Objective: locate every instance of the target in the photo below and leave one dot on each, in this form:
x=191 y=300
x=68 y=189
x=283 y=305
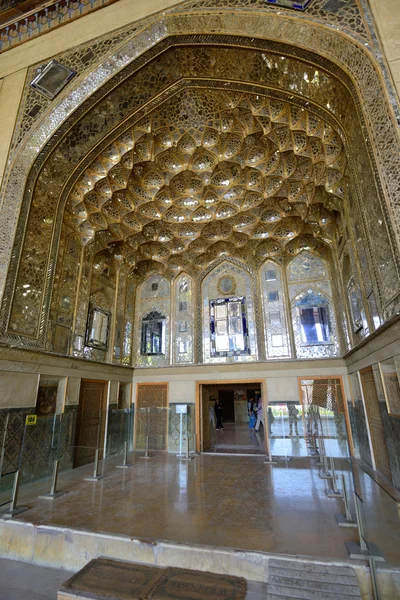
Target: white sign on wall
x=181 y=409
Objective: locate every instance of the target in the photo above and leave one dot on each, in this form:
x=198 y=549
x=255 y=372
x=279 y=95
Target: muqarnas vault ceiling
x=211 y=174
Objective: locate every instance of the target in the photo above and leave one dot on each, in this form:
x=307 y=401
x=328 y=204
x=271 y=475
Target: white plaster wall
x=18 y=391
x=182 y=391
x=282 y=389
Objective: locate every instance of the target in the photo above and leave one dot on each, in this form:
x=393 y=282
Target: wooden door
x=375 y=422
x=205 y=418
x=91 y=421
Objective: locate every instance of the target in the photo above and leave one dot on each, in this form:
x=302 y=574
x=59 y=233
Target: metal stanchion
x=345 y=520
x=364 y=549
x=374 y=578
x=53 y=489
x=324 y=472
x=146 y=454
x=13 y=509
x=125 y=459
x=95 y=476
x=187 y=456
x=335 y=493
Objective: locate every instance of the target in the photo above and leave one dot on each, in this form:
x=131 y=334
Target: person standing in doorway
x=218 y=414
x=212 y=411
x=260 y=414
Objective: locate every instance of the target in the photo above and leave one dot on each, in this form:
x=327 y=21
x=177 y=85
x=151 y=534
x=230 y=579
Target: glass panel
x=273 y=296
x=374 y=310
x=275 y=318
x=220 y=311
x=221 y=328
x=270 y=275
x=235 y=325
x=355 y=304
x=277 y=340
x=221 y=343
x=314 y=325
x=153 y=334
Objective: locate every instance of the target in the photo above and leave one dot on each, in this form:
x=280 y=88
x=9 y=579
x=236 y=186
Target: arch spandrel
x=305 y=40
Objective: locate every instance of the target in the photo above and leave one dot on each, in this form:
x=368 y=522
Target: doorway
x=239 y=403
x=91 y=421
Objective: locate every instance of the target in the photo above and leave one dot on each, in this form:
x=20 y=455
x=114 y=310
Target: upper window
x=313 y=313
x=228 y=327
x=314 y=325
x=153 y=334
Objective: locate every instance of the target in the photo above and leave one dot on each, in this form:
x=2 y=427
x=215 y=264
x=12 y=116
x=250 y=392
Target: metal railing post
x=125 y=459
x=95 y=476
x=53 y=489
x=374 y=578
x=336 y=493
x=146 y=453
x=13 y=509
x=345 y=520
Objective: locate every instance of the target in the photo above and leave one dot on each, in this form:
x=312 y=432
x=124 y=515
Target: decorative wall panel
x=211 y=290
x=312 y=83
x=310 y=288
x=153 y=296
x=151 y=416
x=182 y=326
x=273 y=291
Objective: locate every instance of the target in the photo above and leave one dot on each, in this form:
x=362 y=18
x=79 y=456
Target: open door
x=91 y=421
x=205 y=418
x=375 y=422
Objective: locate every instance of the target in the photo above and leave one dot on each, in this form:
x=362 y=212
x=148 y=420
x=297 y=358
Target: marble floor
x=237 y=438
x=237 y=502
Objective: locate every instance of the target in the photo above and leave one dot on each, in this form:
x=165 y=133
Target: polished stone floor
x=236 y=502
x=237 y=438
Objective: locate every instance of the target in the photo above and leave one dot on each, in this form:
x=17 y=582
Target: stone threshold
x=72 y=549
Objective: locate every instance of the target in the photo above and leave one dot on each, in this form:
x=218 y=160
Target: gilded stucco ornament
x=212 y=174
x=229 y=223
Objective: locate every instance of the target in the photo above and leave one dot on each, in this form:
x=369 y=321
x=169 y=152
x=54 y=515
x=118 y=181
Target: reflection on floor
x=238 y=438
x=236 y=502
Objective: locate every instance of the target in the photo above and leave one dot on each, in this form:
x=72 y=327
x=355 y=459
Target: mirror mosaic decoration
x=152 y=323
x=153 y=334
x=98 y=328
x=183 y=342
x=313 y=316
x=160 y=243
x=274 y=311
x=229 y=324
